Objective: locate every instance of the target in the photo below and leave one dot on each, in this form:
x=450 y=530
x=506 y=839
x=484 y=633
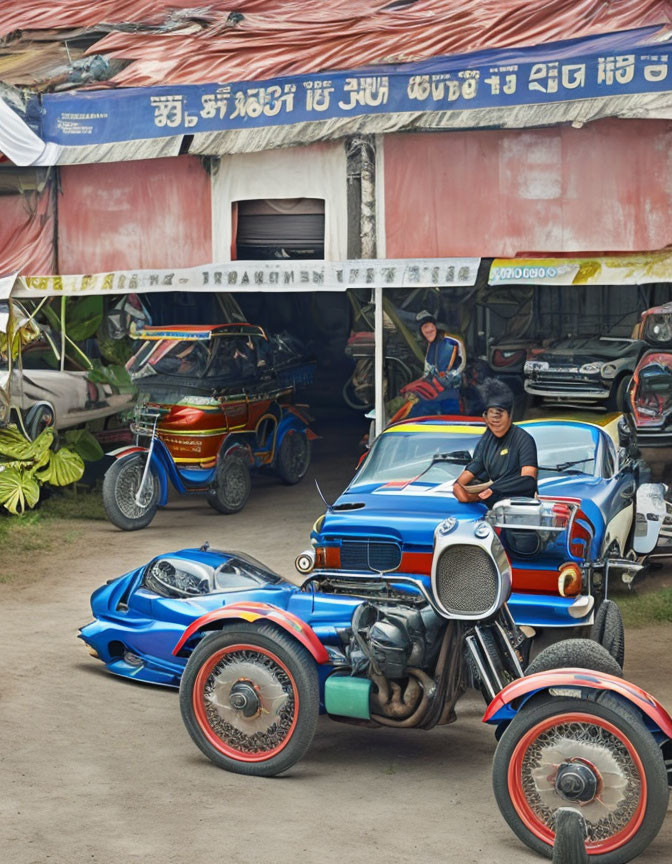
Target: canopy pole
x=367 y=235
x=62 y=334
x=378 y=360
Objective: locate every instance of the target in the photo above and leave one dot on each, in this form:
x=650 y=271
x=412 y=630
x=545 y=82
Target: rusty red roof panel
x=238 y=40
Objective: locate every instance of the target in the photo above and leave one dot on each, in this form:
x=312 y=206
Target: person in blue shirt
x=437 y=392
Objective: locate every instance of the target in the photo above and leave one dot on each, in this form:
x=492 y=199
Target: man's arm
x=525 y=483
x=465 y=492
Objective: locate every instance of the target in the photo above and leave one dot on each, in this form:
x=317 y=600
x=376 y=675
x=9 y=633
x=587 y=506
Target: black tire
x=351 y=398
x=608 y=630
x=120 y=484
x=575 y=653
x=616 y=400
x=39 y=420
x=610 y=732
x=267 y=658
x=399 y=374
x=232 y=485
x=293 y=457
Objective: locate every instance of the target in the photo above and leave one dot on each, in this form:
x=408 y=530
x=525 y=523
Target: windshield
x=167 y=357
x=441 y=457
x=402 y=456
x=564 y=449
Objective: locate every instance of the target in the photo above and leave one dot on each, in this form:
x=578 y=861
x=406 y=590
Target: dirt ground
x=99 y=769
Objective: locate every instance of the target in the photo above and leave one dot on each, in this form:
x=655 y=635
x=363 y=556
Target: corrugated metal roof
x=154 y=42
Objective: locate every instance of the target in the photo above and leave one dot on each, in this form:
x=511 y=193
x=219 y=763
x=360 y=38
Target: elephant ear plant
x=26 y=465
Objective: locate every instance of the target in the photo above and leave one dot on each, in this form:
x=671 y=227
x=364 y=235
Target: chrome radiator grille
x=370 y=555
x=467 y=580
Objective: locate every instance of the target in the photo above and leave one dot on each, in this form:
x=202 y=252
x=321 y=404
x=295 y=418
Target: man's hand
x=486 y=493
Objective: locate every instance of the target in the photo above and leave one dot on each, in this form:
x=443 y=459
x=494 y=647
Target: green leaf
x=83 y=442
x=64 y=468
x=116 y=376
x=83 y=316
x=17 y=447
x=42 y=443
x=117 y=351
x=18 y=489
x=13 y=444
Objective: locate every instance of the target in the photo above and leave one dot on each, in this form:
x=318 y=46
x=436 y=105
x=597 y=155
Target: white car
x=35 y=386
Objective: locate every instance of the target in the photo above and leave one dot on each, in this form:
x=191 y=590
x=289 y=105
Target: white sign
x=265 y=276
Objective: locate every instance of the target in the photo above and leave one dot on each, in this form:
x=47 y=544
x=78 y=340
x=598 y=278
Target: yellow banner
x=639 y=268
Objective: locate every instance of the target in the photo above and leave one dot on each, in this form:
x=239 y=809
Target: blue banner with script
x=624 y=63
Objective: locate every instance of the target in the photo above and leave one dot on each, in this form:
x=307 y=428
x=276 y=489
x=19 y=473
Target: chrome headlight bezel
x=482 y=536
x=592 y=368
x=609 y=370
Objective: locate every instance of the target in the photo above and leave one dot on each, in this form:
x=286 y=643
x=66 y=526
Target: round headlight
x=305 y=561
x=590 y=368
x=608 y=370
x=482 y=530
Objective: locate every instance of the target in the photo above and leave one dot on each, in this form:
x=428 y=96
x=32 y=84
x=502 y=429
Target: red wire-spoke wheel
x=250 y=699
x=595 y=756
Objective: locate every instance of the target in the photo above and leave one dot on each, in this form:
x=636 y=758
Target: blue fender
x=290 y=420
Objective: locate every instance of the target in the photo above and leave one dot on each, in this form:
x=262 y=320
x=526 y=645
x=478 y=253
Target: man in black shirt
x=505 y=459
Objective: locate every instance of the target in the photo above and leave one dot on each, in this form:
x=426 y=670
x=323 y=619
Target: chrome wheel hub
x=585 y=765
x=577 y=781
x=249 y=701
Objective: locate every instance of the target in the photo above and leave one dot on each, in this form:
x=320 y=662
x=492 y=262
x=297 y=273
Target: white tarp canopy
x=20 y=144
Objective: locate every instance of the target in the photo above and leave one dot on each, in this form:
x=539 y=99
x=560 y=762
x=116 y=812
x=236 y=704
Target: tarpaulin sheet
x=606 y=187
x=155 y=213
x=606 y=270
x=616 y=65
x=261 y=276
x=27 y=232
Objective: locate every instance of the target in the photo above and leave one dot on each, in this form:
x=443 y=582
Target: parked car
x=584 y=371
x=564 y=546
x=259 y=658
x=36 y=388
x=650 y=393
x=215 y=401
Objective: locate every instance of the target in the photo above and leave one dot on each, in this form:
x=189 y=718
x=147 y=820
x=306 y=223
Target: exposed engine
x=403 y=650
x=386 y=640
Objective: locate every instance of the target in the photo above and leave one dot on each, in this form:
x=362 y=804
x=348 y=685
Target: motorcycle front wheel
x=594 y=755
x=250 y=698
x=120 y=487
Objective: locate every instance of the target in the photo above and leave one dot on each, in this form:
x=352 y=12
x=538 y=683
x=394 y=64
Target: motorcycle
x=380 y=649
x=403 y=359
x=216 y=404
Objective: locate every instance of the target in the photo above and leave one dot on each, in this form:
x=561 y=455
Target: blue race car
x=259 y=658
x=594 y=516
